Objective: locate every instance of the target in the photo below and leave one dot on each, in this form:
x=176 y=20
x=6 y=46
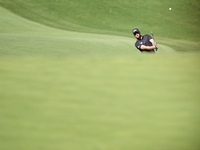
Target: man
x=144 y=43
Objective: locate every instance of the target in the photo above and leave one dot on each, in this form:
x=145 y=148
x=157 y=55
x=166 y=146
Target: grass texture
x=70 y=77
x=100 y=102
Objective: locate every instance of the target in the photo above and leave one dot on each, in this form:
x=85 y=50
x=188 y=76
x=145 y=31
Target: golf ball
x=170 y=8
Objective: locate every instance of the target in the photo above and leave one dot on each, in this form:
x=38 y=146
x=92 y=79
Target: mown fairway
x=86 y=87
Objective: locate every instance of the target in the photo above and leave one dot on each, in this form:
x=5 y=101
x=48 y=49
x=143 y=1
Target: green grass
x=118 y=18
x=100 y=102
x=86 y=87
x=114 y=16
x=20 y=37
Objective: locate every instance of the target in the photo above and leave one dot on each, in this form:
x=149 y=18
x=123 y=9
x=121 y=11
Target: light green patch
x=141 y=102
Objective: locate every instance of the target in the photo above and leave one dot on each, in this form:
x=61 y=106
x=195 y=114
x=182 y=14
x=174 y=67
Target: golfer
x=144 y=43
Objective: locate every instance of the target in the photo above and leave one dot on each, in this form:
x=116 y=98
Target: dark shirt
x=144 y=41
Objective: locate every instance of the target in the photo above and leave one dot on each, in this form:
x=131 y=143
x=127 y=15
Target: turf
x=118 y=18
x=20 y=37
x=114 y=16
x=68 y=82
x=100 y=102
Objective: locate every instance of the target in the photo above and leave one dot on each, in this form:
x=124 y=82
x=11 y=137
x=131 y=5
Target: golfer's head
x=136 y=33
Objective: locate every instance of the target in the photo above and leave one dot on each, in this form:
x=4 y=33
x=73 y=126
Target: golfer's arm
x=153 y=42
x=147 y=47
